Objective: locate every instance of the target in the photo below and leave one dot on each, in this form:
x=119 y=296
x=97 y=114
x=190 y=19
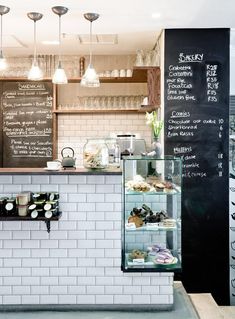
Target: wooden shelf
x=140 y=75
x=108 y=111
x=20 y=79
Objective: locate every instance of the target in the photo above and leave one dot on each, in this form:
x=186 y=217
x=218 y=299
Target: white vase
x=157 y=147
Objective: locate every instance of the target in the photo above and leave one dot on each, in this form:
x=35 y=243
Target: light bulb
x=59 y=76
x=35 y=73
x=90 y=78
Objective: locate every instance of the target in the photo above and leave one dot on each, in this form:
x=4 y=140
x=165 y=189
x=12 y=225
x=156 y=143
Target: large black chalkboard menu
x=26 y=112
x=196 y=87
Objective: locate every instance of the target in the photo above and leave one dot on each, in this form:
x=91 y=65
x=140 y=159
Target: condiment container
x=2 y=204
x=34 y=214
x=10 y=206
x=39 y=204
x=53 y=196
x=50 y=205
x=22 y=210
x=22 y=199
x=32 y=207
x=48 y=214
x=40 y=196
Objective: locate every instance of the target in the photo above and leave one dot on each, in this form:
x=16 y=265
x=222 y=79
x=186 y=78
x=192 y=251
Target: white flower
x=152 y=120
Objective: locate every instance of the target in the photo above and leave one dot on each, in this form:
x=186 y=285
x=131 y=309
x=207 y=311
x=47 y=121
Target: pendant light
x=3 y=63
x=90 y=78
x=35 y=73
x=59 y=76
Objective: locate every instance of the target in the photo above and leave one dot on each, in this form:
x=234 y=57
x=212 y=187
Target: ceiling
x=130 y=21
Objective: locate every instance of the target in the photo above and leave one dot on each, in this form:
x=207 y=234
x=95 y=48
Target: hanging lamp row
x=89 y=79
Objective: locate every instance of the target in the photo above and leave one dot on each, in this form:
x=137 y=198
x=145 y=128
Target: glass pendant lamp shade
x=90 y=78
x=59 y=76
x=3 y=62
x=35 y=73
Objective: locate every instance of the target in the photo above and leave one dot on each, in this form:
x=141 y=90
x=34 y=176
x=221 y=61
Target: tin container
x=3 y=201
x=40 y=196
x=49 y=205
x=39 y=204
x=52 y=196
x=10 y=206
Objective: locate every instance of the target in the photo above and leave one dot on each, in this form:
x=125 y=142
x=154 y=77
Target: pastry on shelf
x=138 y=185
x=137 y=254
x=169 y=188
x=159 y=187
x=136 y=220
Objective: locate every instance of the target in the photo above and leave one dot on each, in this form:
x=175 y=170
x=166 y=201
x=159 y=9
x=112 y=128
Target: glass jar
x=95 y=154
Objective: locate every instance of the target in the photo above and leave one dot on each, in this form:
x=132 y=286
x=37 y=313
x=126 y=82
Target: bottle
x=81 y=66
x=117 y=155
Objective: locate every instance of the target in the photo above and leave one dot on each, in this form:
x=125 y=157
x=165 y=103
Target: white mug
x=122 y=73
x=129 y=73
x=107 y=74
x=53 y=165
x=115 y=73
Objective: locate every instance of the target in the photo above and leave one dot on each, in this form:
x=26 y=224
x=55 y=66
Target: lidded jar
x=95 y=154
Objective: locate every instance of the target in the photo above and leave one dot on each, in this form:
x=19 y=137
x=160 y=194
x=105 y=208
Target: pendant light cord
x=59 y=39
x=1 y=35
x=90 y=42
x=35 y=51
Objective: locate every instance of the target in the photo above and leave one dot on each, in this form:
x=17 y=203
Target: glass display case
x=151 y=223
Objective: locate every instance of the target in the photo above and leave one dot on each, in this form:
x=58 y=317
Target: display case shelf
x=150 y=266
x=152 y=229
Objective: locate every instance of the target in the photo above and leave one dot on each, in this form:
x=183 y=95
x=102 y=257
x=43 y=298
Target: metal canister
x=49 y=205
x=2 y=205
x=40 y=196
x=10 y=206
x=52 y=196
x=39 y=204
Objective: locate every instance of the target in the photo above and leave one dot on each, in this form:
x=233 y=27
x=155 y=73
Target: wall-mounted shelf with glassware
x=123 y=103
x=107 y=111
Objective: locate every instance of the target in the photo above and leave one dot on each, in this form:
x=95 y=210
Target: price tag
x=152 y=225
x=139 y=261
x=130 y=226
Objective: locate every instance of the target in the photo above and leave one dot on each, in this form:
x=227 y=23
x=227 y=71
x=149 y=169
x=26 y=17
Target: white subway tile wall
x=74 y=130
x=79 y=261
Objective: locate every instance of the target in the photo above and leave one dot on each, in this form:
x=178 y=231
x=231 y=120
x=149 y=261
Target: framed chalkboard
x=26 y=115
x=196 y=96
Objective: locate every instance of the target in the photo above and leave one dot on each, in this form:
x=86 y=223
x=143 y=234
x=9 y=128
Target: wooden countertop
x=42 y=171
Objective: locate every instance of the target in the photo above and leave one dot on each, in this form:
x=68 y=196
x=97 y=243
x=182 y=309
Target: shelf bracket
x=48 y=224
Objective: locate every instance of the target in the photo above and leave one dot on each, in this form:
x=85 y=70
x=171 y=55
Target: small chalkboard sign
x=196 y=99
x=26 y=124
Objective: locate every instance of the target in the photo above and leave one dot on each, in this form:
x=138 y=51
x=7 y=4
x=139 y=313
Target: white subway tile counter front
x=79 y=261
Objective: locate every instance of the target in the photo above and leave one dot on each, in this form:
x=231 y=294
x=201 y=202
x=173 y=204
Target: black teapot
x=68 y=161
